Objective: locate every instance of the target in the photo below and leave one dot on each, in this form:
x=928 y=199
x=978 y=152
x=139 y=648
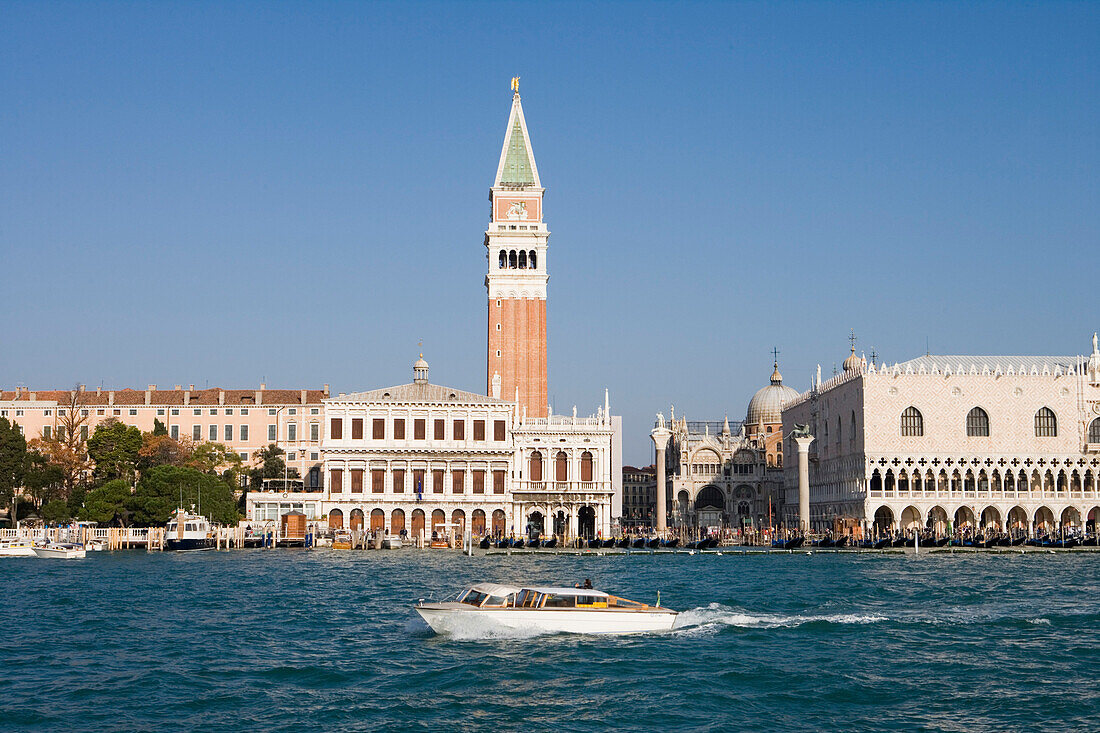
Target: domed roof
x=420 y=363
x=853 y=363
x=766 y=406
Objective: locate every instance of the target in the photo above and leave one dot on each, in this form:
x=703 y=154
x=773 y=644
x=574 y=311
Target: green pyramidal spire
x=517 y=162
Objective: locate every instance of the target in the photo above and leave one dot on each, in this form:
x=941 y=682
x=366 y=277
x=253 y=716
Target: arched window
x=536 y=466
x=503 y=259
x=977 y=423
x=561 y=467
x=912 y=423
x=852 y=433
x=531 y=260
x=1094 y=431
x=512 y=259
x=1046 y=424
x=523 y=259
x=586 y=466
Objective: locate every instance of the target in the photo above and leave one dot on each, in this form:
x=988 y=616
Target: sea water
x=327 y=640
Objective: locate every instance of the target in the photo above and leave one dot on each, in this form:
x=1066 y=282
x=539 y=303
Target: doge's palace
x=996 y=442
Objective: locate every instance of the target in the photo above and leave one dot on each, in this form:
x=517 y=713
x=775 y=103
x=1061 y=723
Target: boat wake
x=715 y=617
x=474 y=628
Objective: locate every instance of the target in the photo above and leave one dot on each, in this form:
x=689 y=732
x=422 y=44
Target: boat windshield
x=616 y=602
x=500 y=601
x=528 y=599
x=472 y=597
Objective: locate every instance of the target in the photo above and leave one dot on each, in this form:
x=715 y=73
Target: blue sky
x=296 y=193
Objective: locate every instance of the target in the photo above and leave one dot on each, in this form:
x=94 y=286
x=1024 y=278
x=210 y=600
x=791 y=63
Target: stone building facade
x=1002 y=442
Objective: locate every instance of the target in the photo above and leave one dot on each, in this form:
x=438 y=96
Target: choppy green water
x=322 y=640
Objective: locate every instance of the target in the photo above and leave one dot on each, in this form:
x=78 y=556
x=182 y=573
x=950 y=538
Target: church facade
x=423 y=458
x=992 y=442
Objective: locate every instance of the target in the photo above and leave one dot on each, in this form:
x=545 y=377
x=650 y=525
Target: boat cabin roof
x=568 y=591
x=494 y=589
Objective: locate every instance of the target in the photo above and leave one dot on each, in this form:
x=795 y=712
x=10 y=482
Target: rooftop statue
x=801 y=430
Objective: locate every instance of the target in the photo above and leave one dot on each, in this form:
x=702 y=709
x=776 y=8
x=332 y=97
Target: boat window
x=556 y=601
x=500 y=601
x=473 y=597
x=527 y=599
x=623 y=603
x=591 y=601
x=189 y=527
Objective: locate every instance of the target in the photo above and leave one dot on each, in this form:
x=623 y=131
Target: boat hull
x=189 y=545
x=18 y=550
x=60 y=553
x=454 y=619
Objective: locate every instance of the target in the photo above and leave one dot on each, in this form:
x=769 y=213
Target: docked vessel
x=60 y=550
x=544 y=609
x=341 y=540
x=17 y=548
x=187 y=531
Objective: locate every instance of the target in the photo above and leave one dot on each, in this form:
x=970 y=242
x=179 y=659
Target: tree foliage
x=56 y=512
x=161 y=488
x=160 y=450
x=13 y=460
x=159 y=428
x=107 y=504
x=43 y=481
x=114 y=447
x=271 y=465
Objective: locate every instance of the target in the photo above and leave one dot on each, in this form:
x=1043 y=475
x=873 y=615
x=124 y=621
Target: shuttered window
x=336 y=480
x=378 y=429
x=377 y=480
x=439 y=430
x=418 y=480
x=357 y=481
x=336 y=428
x=458 y=481
x=498 y=430
x=357 y=428
x=479 y=430
x=498 y=482
x=459 y=430
x=418 y=428
x=399 y=429
x=437 y=481
x=479 y=482
x=398 y=481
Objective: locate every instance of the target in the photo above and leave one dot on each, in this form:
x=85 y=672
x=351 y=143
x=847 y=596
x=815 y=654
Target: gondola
x=550 y=543
x=609 y=543
x=693 y=545
x=1017 y=541
x=595 y=543
x=791 y=544
x=533 y=542
x=654 y=543
x=884 y=542
x=1004 y=541
x=485 y=543
x=900 y=542
x=824 y=543
x=866 y=544
x=991 y=542
x=623 y=543
x=671 y=544
x=841 y=542
x=638 y=544
x=709 y=544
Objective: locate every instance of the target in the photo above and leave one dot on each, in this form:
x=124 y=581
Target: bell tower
x=516 y=243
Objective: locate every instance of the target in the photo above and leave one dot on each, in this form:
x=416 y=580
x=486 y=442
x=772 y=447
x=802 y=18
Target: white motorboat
x=60 y=550
x=17 y=548
x=544 y=609
x=391 y=542
x=187 y=531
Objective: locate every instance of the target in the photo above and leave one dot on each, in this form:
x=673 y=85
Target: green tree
x=109 y=503
x=271 y=465
x=56 y=512
x=158 y=427
x=160 y=490
x=114 y=447
x=43 y=480
x=13 y=462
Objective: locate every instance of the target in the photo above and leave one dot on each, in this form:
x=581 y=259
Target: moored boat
x=187 y=532
x=60 y=550
x=547 y=609
x=341 y=540
x=17 y=548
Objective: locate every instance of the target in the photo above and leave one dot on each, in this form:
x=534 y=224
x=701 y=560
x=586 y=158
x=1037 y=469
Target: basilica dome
x=853 y=363
x=766 y=406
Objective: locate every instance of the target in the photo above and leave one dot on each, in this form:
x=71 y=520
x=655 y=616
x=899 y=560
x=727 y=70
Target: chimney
x=34 y=396
x=18 y=391
x=191 y=387
x=221 y=396
x=325 y=391
x=259 y=395
x=187 y=396
x=99 y=390
x=262 y=386
x=82 y=388
x=149 y=394
x=111 y=397
x=303 y=396
x=179 y=387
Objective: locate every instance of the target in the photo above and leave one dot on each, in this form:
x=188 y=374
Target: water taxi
x=60 y=550
x=17 y=548
x=187 y=531
x=341 y=540
x=544 y=609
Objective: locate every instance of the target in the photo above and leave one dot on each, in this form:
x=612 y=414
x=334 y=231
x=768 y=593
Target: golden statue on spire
x=515 y=84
